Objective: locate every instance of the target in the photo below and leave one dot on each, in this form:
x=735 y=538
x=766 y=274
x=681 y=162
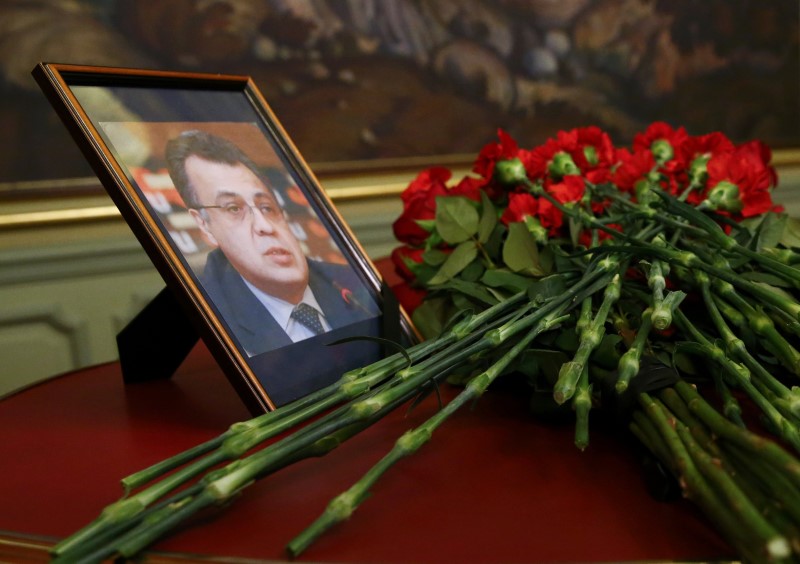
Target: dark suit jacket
x=252 y=324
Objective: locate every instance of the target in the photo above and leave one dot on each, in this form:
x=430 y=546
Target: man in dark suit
x=258 y=277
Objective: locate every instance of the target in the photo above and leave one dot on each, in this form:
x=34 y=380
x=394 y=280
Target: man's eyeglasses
x=237 y=212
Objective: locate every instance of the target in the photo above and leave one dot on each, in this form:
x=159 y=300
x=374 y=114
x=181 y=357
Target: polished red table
x=493 y=485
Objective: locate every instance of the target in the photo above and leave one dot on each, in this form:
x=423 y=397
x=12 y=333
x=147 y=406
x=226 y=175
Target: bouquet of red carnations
x=673 y=269
x=659 y=281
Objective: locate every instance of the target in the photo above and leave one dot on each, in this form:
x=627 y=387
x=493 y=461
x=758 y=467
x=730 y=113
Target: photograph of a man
x=265 y=288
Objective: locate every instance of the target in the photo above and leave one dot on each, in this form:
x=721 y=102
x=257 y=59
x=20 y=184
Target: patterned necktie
x=309 y=317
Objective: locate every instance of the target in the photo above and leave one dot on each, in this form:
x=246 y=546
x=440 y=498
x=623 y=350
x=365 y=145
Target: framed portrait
x=249 y=245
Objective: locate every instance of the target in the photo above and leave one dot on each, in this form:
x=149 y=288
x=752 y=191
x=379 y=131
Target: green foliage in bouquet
x=657 y=280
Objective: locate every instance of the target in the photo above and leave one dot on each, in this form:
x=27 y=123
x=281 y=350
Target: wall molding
x=53 y=262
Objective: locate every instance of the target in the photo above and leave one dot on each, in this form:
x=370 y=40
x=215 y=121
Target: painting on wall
x=384 y=81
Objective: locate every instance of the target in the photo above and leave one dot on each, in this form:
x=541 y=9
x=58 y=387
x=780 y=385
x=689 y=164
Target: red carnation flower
x=705 y=146
x=539 y=161
x=570 y=189
x=469 y=187
x=419 y=203
x=505 y=149
x=747 y=168
x=520 y=205
x=593 y=149
x=404 y=258
x=660 y=131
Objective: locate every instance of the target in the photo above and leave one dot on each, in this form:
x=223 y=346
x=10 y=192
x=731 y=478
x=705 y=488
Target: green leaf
x=607 y=354
x=575 y=228
x=473 y=272
x=434 y=257
x=488 y=218
x=520 y=252
x=771 y=231
x=683 y=362
x=423 y=272
x=473 y=289
x=546 y=259
x=766 y=278
x=431 y=316
x=786 y=295
x=457 y=261
x=567 y=340
x=494 y=245
x=456 y=218
x=426 y=224
x=542 y=362
x=791 y=233
x=500 y=278
x=548 y=287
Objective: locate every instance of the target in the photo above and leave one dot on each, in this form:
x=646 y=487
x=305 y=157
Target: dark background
x=386 y=79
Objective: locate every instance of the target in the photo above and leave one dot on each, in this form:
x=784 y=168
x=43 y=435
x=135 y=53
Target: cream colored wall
x=72 y=274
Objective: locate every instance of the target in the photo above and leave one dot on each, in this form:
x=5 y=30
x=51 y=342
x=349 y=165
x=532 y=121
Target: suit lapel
x=255 y=324
x=329 y=295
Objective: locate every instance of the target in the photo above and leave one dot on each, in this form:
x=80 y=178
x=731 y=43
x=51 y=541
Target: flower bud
x=661 y=317
x=644 y=192
x=562 y=165
x=698 y=169
x=536 y=229
x=725 y=196
x=510 y=172
x=590 y=154
x=662 y=150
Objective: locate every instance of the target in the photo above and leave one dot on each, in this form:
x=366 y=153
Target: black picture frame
x=122 y=120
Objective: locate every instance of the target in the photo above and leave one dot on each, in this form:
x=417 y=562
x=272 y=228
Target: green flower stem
x=654 y=214
x=582 y=404
x=715 y=233
x=662 y=312
x=768 y=478
x=690 y=260
x=730 y=405
x=694 y=485
x=775 y=544
x=144 y=534
x=788 y=273
x=570 y=372
x=232 y=444
x=628 y=365
x=734 y=316
x=670 y=398
x=343 y=506
x=242 y=473
x=784 y=321
x=103 y=538
x=582 y=400
x=750 y=442
x=247 y=436
x=349 y=384
x=784 y=256
x=578 y=214
x=739 y=373
x=656 y=275
x=159 y=469
x=762 y=326
x=737 y=349
x=585 y=316
x=646 y=432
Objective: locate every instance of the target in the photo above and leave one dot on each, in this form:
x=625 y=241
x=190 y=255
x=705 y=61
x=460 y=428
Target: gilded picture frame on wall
x=249 y=245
